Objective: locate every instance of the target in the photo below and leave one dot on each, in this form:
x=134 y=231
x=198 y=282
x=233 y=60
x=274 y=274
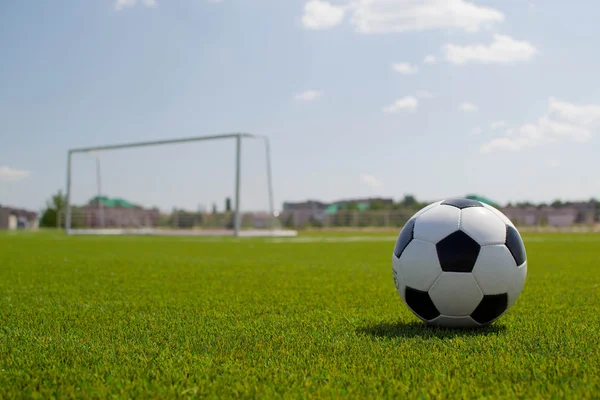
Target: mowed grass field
x=151 y=317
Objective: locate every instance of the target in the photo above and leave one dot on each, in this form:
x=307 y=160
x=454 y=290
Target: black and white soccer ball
x=459 y=263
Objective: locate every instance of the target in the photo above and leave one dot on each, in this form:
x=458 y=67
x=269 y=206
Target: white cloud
x=562 y=121
x=370 y=180
x=430 y=59
x=321 y=15
x=309 y=95
x=588 y=114
x=500 y=144
x=554 y=163
x=121 y=4
x=424 y=94
x=503 y=50
x=560 y=129
x=409 y=103
x=8 y=174
x=405 y=68
x=384 y=16
x=475 y=131
x=498 y=125
x=468 y=107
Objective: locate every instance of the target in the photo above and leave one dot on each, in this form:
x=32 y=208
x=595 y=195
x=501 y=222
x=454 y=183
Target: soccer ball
x=459 y=263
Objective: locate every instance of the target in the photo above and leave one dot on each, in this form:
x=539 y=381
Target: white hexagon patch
x=517 y=284
x=483 y=226
x=456 y=294
x=500 y=214
x=422 y=210
x=494 y=269
x=419 y=265
x=436 y=223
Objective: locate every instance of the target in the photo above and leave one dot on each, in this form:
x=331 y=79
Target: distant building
x=547 y=215
x=363 y=204
x=560 y=216
x=586 y=211
x=522 y=215
x=314 y=205
x=14 y=218
x=104 y=212
x=305 y=205
x=309 y=211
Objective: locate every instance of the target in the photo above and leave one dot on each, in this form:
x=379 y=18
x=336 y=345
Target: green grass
x=148 y=317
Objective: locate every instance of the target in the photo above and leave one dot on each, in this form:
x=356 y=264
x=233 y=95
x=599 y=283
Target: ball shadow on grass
x=419 y=329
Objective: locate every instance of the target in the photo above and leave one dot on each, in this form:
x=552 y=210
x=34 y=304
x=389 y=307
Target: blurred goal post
x=237 y=211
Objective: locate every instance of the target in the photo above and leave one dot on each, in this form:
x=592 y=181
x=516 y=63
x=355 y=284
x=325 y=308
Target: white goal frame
x=237 y=209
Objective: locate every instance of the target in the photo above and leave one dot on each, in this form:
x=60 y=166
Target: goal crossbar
x=238 y=138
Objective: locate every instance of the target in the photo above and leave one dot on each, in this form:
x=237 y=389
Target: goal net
x=211 y=185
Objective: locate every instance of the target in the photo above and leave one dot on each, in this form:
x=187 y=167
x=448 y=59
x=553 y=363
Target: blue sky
x=359 y=98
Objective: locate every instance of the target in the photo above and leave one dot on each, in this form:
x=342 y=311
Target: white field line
x=333 y=239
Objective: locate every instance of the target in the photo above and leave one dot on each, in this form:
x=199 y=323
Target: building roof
x=483 y=200
x=113 y=203
x=334 y=208
x=18 y=212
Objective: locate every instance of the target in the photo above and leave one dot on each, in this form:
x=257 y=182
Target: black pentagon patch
x=404 y=238
x=490 y=308
x=515 y=245
x=462 y=203
x=421 y=303
x=457 y=252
